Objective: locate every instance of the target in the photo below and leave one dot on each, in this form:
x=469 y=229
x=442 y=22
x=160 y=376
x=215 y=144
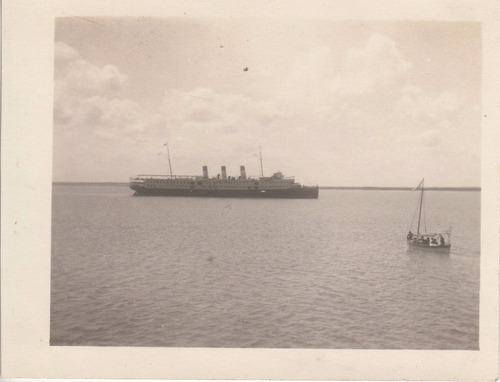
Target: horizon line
x=366 y=188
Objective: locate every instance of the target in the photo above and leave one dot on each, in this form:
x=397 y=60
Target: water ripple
x=326 y=273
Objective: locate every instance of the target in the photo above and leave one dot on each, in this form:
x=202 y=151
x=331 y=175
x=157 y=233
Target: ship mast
x=260 y=157
x=420 y=209
x=169 y=163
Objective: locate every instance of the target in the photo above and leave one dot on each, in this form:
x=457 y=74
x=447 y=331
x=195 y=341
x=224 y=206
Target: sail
x=425 y=240
x=419 y=185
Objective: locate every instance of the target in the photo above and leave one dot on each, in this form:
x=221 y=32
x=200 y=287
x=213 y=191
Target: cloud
x=119 y=115
x=365 y=107
x=205 y=112
x=418 y=111
x=324 y=108
x=332 y=104
x=377 y=64
x=323 y=82
x=64 y=53
x=76 y=75
x=320 y=72
x=89 y=97
x=90 y=78
x=94 y=120
x=94 y=123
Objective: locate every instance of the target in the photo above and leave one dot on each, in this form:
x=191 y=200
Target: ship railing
x=306 y=185
x=194 y=177
x=270 y=177
x=145 y=177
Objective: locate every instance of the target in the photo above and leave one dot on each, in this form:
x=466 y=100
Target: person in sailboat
x=409 y=236
x=420 y=240
x=441 y=240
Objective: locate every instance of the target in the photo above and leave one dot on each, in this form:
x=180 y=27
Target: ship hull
x=293 y=193
x=427 y=247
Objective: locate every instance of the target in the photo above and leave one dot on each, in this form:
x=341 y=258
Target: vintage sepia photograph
x=248 y=183
x=250 y=191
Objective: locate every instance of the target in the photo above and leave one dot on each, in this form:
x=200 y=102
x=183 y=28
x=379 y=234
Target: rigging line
x=169 y=163
x=413 y=217
x=425 y=220
x=420 y=205
x=415 y=211
x=261 y=167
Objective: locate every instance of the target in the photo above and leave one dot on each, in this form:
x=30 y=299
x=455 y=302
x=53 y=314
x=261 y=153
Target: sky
x=331 y=103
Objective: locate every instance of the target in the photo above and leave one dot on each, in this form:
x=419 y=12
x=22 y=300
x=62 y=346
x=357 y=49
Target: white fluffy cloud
x=76 y=75
x=319 y=79
x=217 y=114
x=64 y=53
x=88 y=97
x=97 y=128
x=368 y=116
x=92 y=118
x=326 y=109
x=377 y=64
x=220 y=128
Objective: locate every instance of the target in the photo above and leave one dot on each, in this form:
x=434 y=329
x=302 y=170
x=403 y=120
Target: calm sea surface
x=205 y=272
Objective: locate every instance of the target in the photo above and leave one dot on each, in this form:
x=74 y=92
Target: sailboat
x=424 y=240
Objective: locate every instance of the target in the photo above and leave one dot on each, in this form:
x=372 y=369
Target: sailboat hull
x=428 y=247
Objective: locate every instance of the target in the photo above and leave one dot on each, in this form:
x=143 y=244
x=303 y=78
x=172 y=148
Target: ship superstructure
x=222 y=185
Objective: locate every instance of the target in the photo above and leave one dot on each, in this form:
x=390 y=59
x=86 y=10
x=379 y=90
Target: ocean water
x=206 y=272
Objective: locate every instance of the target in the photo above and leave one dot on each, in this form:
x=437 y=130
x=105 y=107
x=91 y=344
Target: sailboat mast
x=169 y=163
x=420 y=209
x=260 y=157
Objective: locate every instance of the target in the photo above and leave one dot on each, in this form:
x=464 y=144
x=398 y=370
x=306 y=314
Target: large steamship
x=275 y=186
x=222 y=185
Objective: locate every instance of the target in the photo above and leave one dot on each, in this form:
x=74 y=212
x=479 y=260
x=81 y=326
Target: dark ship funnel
x=205 y=172
x=243 y=173
x=223 y=172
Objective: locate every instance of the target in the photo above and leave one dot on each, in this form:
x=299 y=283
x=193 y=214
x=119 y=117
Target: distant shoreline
x=402 y=188
x=320 y=187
